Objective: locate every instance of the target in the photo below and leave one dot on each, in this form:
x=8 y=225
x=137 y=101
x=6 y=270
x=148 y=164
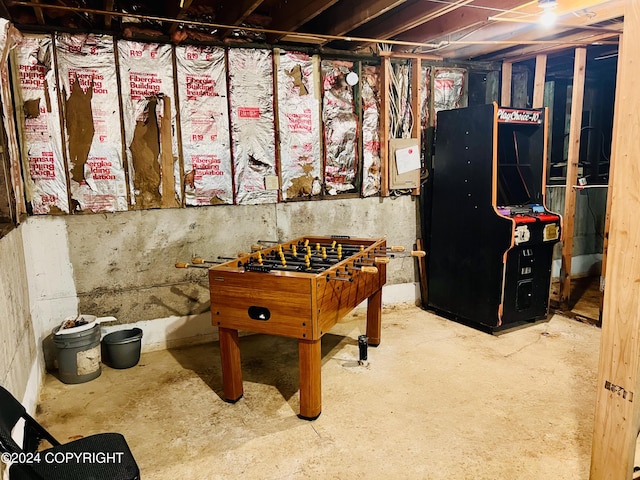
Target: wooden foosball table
x=297 y=289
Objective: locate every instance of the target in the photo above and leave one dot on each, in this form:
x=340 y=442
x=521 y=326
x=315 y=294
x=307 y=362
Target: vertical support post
x=617 y=415
x=231 y=364
x=384 y=125
x=310 y=363
x=575 y=125
x=505 y=94
x=538 y=82
x=416 y=91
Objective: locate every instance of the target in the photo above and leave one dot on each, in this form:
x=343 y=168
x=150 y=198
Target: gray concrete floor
x=438 y=400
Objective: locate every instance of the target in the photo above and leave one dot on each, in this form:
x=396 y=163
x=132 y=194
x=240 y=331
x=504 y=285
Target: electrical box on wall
x=404 y=163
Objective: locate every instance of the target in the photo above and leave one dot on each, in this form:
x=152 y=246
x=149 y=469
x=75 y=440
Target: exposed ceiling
x=452 y=29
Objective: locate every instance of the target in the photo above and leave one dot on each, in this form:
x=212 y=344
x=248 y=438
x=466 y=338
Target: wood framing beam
x=575 y=125
x=350 y=14
x=538 y=81
x=39 y=14
x=416 y=95
x=291 y=15
x=234 y=13
x=404 y=18
x=385 y=85
x=450 y=22
x=505 y=93
x=617 y=415
x=108 y=6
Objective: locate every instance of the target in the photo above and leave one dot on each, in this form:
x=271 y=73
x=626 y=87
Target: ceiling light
x=548 y=16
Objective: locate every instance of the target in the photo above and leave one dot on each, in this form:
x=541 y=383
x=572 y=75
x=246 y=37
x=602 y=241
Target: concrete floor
x=438 y=400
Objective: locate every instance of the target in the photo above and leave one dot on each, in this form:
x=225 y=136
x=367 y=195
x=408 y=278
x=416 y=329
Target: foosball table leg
x=374 y=316
x=310 y=363
x=231 y=365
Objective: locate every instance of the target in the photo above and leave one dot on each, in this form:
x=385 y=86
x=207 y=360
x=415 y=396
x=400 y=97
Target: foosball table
x=297 y=289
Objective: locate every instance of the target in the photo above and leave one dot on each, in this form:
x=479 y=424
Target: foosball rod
x=189 y=265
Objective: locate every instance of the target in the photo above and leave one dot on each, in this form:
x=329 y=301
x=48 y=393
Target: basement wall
x=20 y=372
x=588 y=234
x=123 y=264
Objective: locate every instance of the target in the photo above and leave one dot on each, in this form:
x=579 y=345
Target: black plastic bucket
x=122 y=348
x=78 y=355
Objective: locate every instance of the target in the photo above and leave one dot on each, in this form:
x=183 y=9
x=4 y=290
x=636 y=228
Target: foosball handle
x=418 y=253
x=197 y=260
x=381 y=260
x=397 y=248
x=182 y=265
x=369 y=269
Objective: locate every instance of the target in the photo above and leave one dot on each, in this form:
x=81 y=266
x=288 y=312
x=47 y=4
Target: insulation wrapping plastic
x=146 y=73
x=299 y=125
x=370 y=87
x=46 y=182
x=448 y=88
x=425 y=97
x=252 y=124
x=340 y=128
x=9 y=38
x=204 y=121
x=92 y=126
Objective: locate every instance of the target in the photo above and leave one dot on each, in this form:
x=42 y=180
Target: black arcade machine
x=491 y=237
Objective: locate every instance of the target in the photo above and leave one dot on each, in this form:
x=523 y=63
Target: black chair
x=101 y=456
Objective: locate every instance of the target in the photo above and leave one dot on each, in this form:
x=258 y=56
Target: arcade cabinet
x=491 y=237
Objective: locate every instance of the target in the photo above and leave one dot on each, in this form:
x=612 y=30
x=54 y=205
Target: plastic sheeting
x=146 y=72
x=448 y=88
x=204 y=122
x=92 y=126
x=340 y=128
x=299 y=125
x=252 y=121
x=46 y=182
x=370 y=88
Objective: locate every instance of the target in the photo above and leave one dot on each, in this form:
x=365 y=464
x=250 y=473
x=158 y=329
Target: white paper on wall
x=369 y=89
x=298 y=124
x=46 y=181
x=146 y=74
x=204 y=122
x=340 y=128
x=92 y=123
x=252 y=124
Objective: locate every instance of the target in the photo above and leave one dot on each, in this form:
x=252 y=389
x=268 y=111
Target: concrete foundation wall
x=123 y=264
x=588 y=233
x=20 y=372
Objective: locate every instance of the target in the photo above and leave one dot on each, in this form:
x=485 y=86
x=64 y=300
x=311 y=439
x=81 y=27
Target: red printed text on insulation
x=144 y=85
x=88 y=78
x=300 y=122
x=101 y=168
x=249 y=112
x=200 y=86
x=42 y=167
x=205 y=166
x=32 y=77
